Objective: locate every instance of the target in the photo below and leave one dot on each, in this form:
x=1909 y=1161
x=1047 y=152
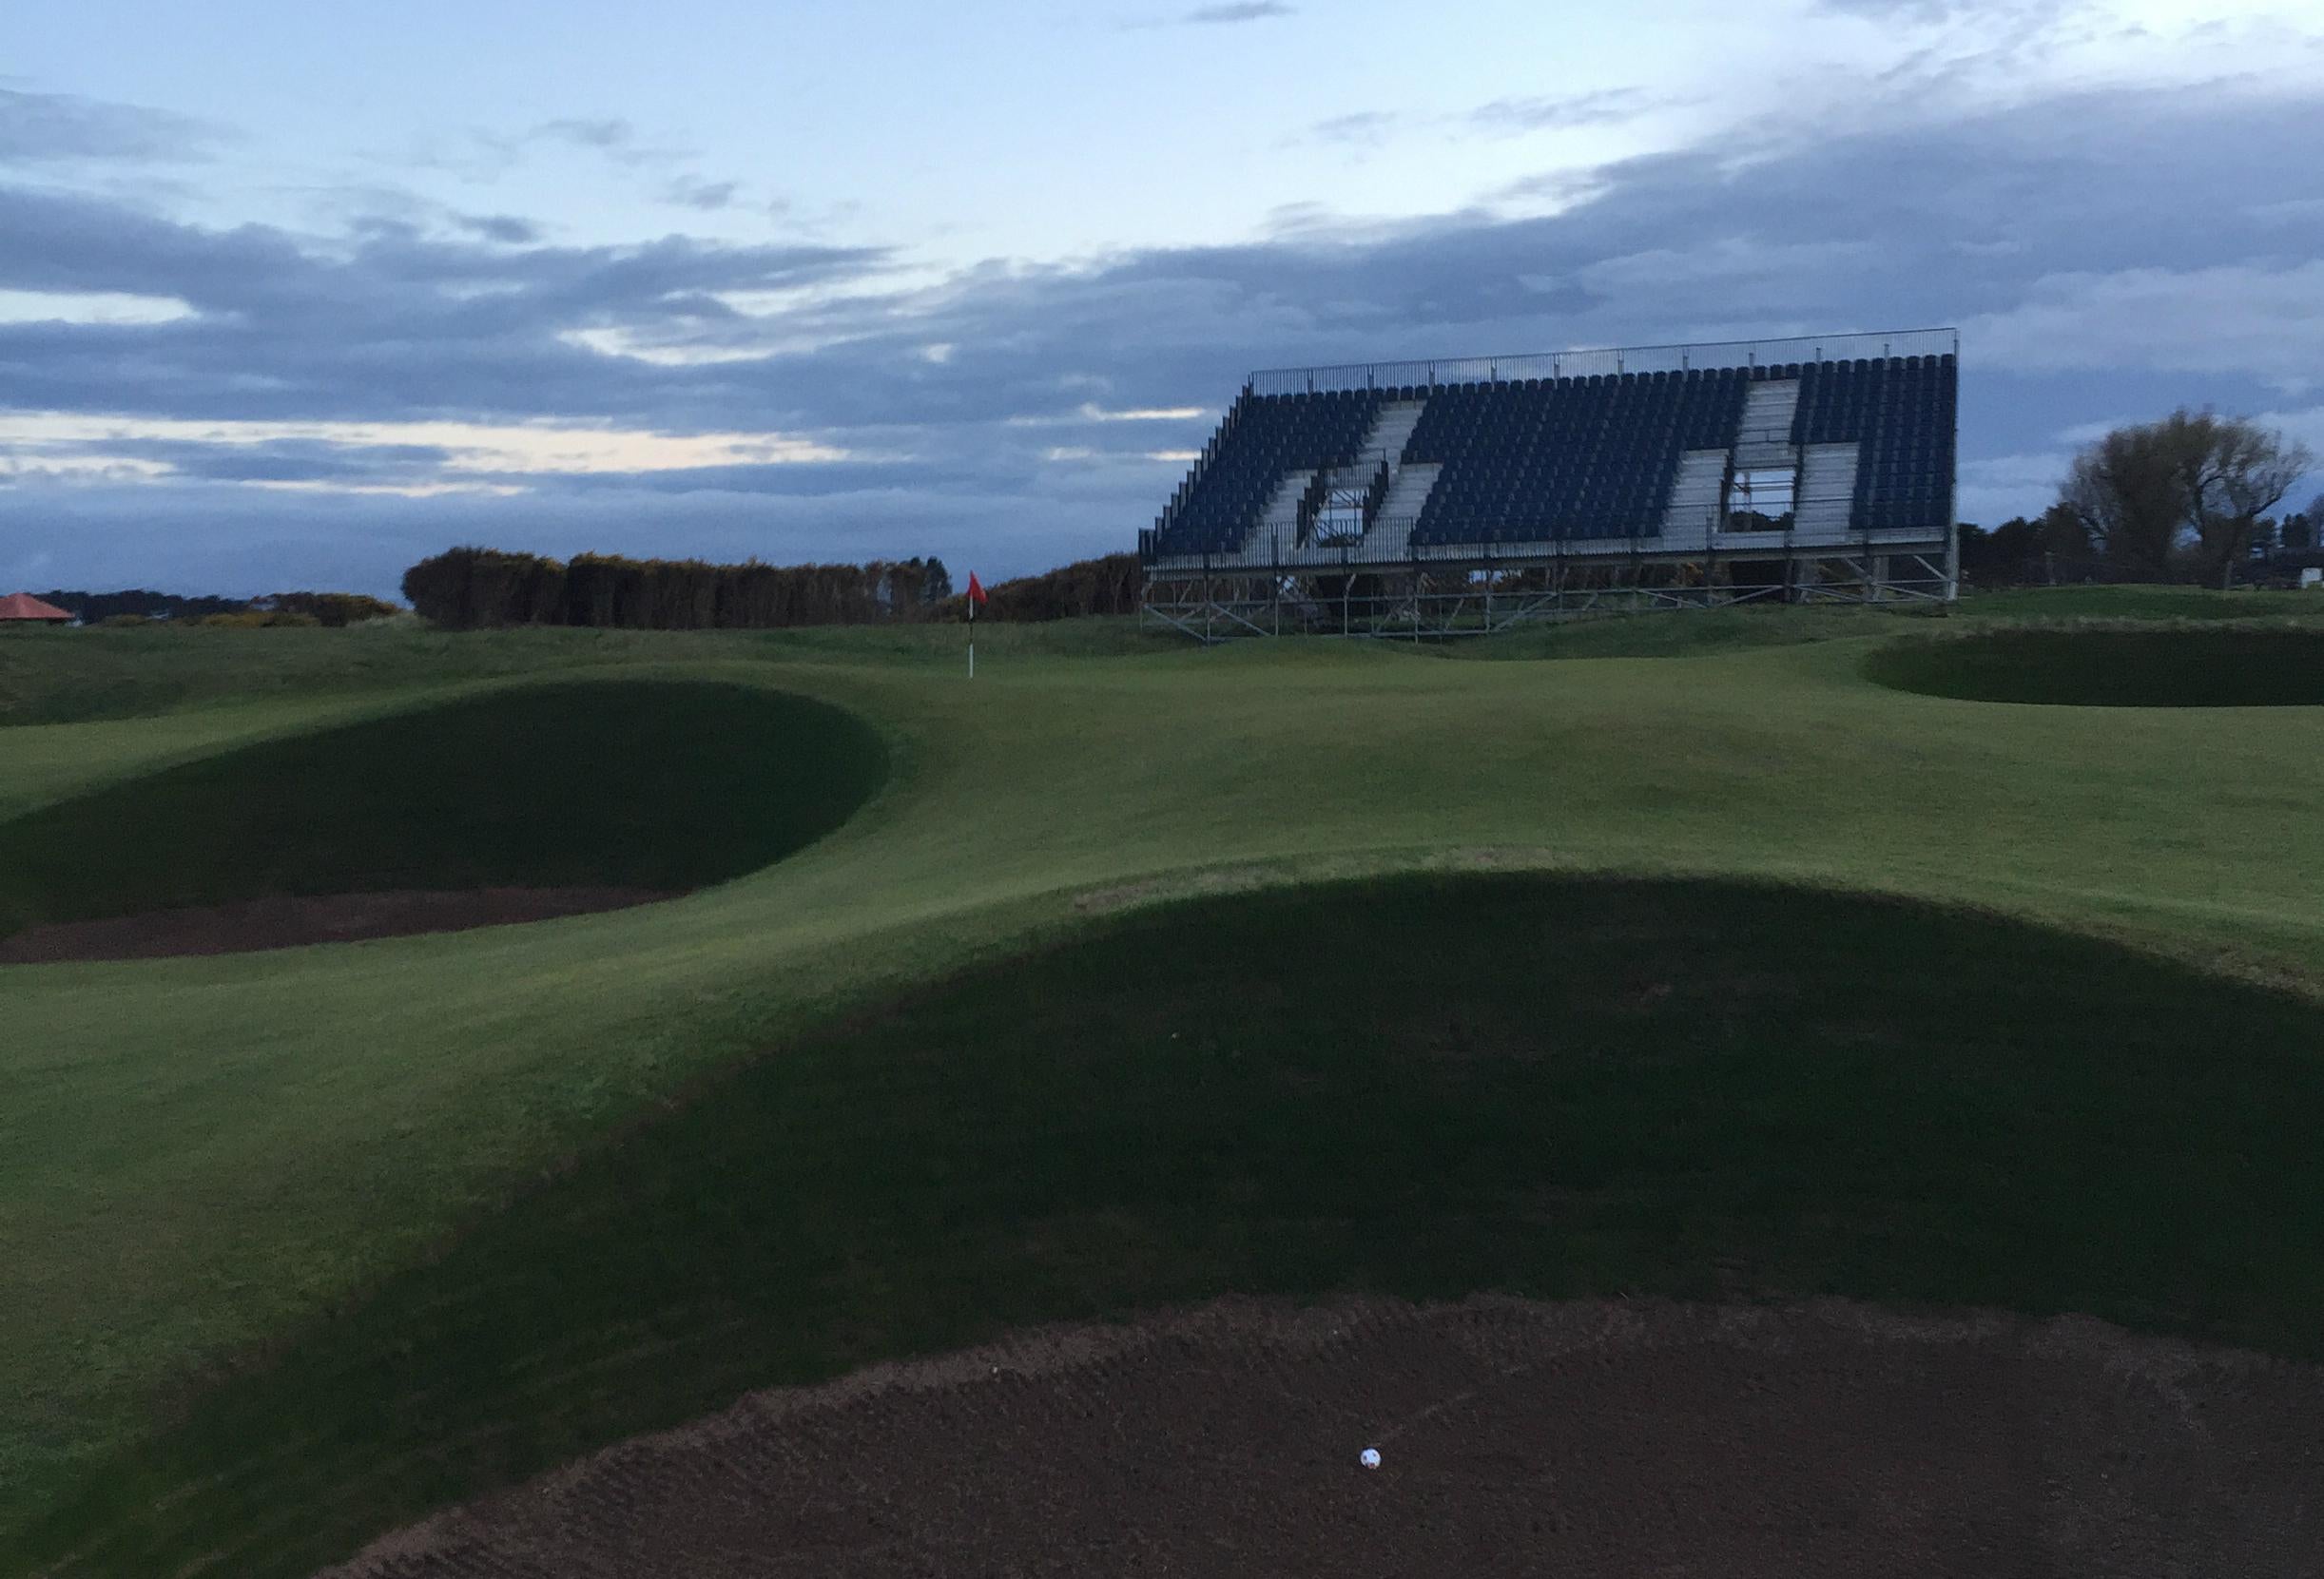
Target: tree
x=2232 y=482
x=2194 y=480
x=2303 y=531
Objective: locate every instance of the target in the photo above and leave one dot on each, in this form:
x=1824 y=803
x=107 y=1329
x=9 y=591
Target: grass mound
x=2220 y=666
x=614 y=784
x=1418 y=1087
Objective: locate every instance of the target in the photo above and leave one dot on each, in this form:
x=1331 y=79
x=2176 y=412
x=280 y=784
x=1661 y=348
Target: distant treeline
x=94 y=606
x=469 y=588
x=1107 y=586
x=2058 y=547
x=140 y=606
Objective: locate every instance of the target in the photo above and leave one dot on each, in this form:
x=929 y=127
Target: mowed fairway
x=303 y=1244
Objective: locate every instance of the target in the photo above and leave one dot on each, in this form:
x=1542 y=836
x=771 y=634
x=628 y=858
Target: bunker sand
x=284 y=922
x=1598 y=1438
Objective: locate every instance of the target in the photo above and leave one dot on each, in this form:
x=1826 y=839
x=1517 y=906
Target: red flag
x=976 y=594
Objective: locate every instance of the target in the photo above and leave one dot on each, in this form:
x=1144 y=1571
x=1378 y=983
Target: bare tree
x=2194 y=478
x=2229 y=483
x=2125 y=490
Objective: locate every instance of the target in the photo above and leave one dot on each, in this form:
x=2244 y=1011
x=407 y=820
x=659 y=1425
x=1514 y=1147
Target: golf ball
x=1369 y=1458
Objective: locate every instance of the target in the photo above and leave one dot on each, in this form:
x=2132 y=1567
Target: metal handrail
x=1615 y=359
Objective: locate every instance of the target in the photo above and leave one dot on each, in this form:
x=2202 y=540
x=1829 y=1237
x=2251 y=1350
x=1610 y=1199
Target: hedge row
x=1110 y=585
x=470 y=587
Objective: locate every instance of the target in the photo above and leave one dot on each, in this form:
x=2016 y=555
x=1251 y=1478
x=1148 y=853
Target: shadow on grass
x=2181 y=666
x=619 y=783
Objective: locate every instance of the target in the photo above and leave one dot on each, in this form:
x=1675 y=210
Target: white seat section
x=1278 y=529
x=1393 y=430
x=1390 y=533
x=1697 y=490
x=1826 y=498
x=1283 y=505
x=1409 y=490
x=1764 y=436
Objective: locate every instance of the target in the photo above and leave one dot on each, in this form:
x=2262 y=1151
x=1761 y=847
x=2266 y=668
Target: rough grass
x=1415 y=1086
x=2130 y=666
x=200 y=1158
x=605 y=781
x=82 y=675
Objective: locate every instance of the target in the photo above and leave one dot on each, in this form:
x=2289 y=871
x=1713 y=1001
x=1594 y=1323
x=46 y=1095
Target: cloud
x=477 y=154
x=62 y=128
x=335 y=366
x=1237 y=11
x=1364 y=127
x=2260 y=319
x=1604 y=106
x=613 y=136
x=606 y=134
x=707 y=196
x=1936 y=12
x=505 y=228
x=1514 y=117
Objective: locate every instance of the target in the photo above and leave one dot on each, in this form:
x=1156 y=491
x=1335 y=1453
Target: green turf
x=1418 y=1086
x=602 y=781
x=82 y=676
x=1696 y=632
x=199 y=1157
x=2215 y=666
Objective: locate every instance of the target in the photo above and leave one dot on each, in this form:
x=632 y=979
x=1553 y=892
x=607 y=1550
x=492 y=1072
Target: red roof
x=24 y=605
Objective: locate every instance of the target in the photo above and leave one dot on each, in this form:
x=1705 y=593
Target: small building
x=24 y=609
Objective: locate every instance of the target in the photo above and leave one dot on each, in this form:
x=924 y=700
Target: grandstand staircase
x=1827 y=494
x=1278 y=529
x=1699 y=490
x=1390 y=532
x=1409 y=490
x=1393 y=428
x=1764 y=436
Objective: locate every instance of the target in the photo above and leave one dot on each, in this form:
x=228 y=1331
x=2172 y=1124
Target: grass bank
x=1421 y=1087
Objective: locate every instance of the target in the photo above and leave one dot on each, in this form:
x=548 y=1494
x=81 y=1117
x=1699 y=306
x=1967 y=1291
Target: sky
x=292 y=295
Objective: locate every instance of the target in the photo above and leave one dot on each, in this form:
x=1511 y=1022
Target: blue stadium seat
x=1525 y=460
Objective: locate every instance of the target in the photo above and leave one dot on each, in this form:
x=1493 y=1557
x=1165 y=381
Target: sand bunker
x=1588 y=1438
x=285 y=923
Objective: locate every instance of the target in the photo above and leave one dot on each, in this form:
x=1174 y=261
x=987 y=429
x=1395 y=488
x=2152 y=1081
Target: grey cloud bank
x=2055 y=232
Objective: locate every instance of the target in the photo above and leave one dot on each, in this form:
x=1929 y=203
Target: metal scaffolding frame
x=1437 y=598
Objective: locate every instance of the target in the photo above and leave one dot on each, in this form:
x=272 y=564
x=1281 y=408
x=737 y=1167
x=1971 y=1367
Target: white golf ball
x=1369 y=1458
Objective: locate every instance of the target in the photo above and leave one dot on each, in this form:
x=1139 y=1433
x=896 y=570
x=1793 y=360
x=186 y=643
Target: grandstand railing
x=1613 y=359
x=1391 y=548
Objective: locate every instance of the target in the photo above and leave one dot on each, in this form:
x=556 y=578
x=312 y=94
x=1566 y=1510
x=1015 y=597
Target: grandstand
x=1462 y=496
